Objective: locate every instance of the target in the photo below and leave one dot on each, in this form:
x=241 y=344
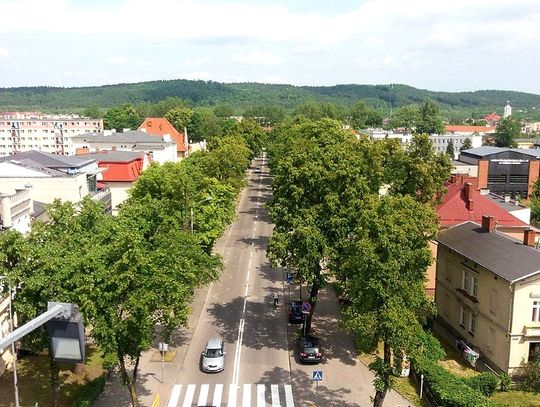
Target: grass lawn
x=516 y=398
x=34 y=383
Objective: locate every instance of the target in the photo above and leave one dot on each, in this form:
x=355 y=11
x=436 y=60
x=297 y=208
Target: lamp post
x=208 y=198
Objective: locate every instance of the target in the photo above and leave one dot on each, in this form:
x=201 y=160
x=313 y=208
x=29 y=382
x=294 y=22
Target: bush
x=530 y=378
x=431 y=348
x=486 y=383
x=505 y=381
x=448 y=389
x=90 y=392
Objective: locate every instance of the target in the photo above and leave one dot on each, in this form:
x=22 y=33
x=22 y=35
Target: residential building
x=159 y=149
x=504 y=171
x=380 y=134
x=488 y=291
x=24 y=131
x=121 y=170
x=53 y=177
x=16 y=209
x=457 y=135
x=492 y=119
x=530 y=127
x=159 y=126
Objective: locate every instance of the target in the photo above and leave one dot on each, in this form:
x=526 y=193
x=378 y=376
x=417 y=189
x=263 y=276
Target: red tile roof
x=160 y=126
x=122 y=171
x=453 y=208
x=492 y=117
x=471 y=129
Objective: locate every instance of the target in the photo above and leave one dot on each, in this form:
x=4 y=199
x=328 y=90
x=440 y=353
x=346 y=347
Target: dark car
x=308 y=350
x=295 y=312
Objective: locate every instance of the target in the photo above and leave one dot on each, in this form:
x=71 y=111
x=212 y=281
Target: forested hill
x=242 y=95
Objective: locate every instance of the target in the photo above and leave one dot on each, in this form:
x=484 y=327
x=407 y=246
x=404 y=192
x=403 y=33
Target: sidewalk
x=346 y=381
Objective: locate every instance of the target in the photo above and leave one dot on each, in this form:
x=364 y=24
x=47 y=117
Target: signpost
x=289 y=278
x=316 y=376
x=163 y=347
x=306 y=309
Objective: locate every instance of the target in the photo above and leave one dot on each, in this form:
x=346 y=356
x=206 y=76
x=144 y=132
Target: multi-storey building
x=49 y=133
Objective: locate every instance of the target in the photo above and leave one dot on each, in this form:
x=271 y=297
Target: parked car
x=295 y=312
x=213 y=357
x=308 y=350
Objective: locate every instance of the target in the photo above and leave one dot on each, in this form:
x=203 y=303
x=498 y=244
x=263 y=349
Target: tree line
x=133 y=275
x=359 y=212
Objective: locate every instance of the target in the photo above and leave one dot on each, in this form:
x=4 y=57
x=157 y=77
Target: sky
x=443 y=45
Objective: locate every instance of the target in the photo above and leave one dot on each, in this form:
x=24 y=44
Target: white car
x=213 y=357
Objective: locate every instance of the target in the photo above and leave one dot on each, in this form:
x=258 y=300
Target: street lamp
x=208 y=198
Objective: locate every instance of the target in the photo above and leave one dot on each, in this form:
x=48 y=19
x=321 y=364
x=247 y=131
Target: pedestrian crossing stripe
x=274 y=398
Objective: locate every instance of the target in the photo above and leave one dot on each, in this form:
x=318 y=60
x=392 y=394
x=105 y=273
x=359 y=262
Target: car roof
x=309 y=340
x=214 y=343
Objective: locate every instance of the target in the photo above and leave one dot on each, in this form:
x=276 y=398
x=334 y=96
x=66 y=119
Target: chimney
x=488 y=223
x=469 y=202
x=529 y=237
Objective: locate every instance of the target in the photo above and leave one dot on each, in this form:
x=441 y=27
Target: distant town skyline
x=462 y=45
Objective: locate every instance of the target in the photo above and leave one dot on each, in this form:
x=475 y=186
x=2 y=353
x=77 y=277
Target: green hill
x=242 y=95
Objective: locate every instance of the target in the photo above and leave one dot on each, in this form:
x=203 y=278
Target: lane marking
x=238 y=352
x=275 y=395
x=175 y=396
x=246 y=396
x=188 y=398
x=289 y=402
x=203 y=395
x=231 y=401
x=261 y=388
x=218 y=391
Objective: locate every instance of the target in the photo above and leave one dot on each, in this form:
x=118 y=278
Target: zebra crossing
x=187 y=396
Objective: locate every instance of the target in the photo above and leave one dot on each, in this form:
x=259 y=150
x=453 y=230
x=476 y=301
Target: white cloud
x=117 y=60
x=257 y=58
x=4 y=52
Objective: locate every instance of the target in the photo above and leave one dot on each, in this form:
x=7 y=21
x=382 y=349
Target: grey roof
x=132 y=136
x=39 y=208
x=506 y=257
x=27 y=163
x=48 y=160
x=116 y=156
x=488 y=150
x=507 y=206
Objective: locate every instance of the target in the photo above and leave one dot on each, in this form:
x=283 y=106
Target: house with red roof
x=464 y=202
x=121 y=170
x=492 y=119
x=161 y=126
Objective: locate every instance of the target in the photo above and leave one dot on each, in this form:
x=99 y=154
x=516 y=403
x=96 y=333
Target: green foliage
x=535 y=201
x=122 y=117
x=224 y=111
x=450 y=149
x=508 y=130
x=530 y=375
x=265 y=115
x=467 y=144
x=485 y=382
x=448 y=389
x=405 y=117
x=315 y=110
x=363 y=116
x=431 y=348
x=93 y=112
x=204 y=125
x=505 y=381
x=90 y=392
x=429 y=120
x=179 y=117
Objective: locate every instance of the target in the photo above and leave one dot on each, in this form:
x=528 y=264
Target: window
x=536 y=311
x=467 y=319
x=469 y=283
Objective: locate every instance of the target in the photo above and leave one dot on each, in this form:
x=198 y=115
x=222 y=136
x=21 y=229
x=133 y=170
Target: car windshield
x=213 y=353
x=311 y=350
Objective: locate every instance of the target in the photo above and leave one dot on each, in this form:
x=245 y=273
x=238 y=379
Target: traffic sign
x=316 y=375
x=306 y=307
x=289 y=278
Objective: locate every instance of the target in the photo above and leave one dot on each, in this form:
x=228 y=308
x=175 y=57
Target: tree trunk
x=55 y=381
x=313 y=301
x=128 y=380
x=378 y=400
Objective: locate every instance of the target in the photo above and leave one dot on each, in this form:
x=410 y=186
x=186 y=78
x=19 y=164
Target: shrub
x=530 y=378
x=431 y=348
x=505 y=381
x=486 y=383
x=448 y=389
x=90 y=392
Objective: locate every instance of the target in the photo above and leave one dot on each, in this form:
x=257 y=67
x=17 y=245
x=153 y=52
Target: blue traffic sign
x=306 y=307
x=316 y=375
x=289 y=278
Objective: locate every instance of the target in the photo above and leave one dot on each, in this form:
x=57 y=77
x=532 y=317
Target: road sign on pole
x=316 y=375
x=289 y=278
x=306 y=307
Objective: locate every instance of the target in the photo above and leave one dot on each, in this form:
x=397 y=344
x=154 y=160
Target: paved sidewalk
x=347 y=382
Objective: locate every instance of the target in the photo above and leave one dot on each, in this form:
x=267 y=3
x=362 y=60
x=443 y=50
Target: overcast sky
x=432 y=44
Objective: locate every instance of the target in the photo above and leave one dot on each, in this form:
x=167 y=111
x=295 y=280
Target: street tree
x=429 y=120
x=179 y=117
x=507 y=131
x=204 y=125
x=385 y=257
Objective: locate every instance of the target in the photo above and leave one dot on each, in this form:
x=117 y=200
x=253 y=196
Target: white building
x=380 y=134
x=160 y=149
x=49 y=133
x=441 y=141
x=507 y=110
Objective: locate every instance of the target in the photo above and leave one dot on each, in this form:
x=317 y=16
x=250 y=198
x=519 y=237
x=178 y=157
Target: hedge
x=448 y=389
x=90 y=392
x=486 y=383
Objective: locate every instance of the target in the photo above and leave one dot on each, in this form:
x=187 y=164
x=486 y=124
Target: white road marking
x=203 y=395
x=188 y=398
x=175 y=395
x=218 y=391
x=238 y=352
x=275 y=395
x=261 y=388
x=231 y=401
x=246 y=396
x=289 y=402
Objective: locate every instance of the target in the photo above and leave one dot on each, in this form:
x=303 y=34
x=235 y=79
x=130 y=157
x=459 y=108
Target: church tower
x=507 y=110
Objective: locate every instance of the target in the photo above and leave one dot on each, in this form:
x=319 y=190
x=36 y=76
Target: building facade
x=49 y=133
x=488 y=292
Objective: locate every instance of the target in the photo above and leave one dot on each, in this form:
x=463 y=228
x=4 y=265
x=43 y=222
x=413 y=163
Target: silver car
x=213 y=357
